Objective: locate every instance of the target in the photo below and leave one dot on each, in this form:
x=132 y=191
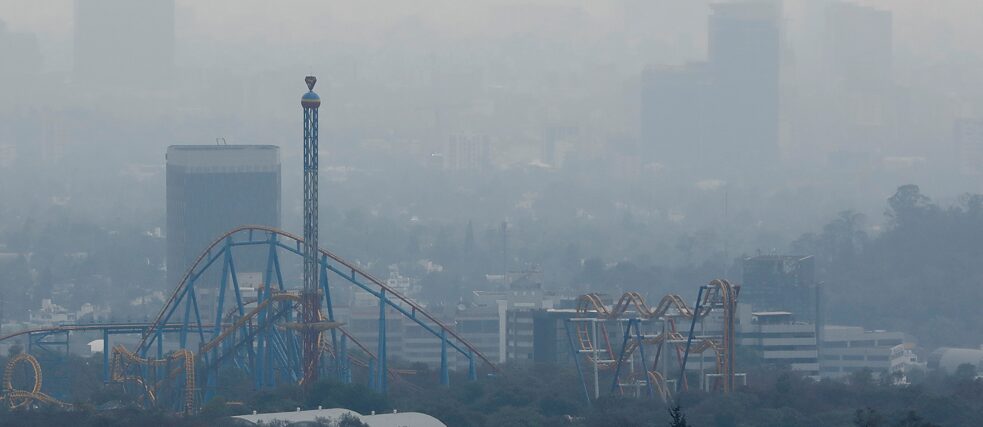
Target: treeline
x=921 y=273
x=552 y=396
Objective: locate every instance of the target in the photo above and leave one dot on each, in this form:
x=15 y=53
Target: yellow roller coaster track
x=21 y=398
x=719 y=293
x=122 y=357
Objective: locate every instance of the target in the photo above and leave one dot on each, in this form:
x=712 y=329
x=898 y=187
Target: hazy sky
x=920 y=25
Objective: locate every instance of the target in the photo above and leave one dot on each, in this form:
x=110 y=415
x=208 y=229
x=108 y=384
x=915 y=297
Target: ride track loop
x=22 y=399
x=257 y=334
x=596 y=347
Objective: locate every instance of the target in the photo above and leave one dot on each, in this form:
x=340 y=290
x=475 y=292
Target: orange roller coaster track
x=593 y=343
x=20 y=399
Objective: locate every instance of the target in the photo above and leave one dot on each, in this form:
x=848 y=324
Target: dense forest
x=922 y=273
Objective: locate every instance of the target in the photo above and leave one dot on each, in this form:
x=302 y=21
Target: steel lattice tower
x=311 y=297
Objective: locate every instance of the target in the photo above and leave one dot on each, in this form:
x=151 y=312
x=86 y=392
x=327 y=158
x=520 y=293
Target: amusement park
x=279 y=332
x=492 y=213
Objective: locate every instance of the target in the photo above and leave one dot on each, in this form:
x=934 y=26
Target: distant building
x=484 y=323
x=467 y=153
x=20 y=74
x=744 y=69
x=124 y=41
x=849 y=349
x=948 y=359
x=212 y=189
x=334 y=415
x=20 y=52
x=859 y=46
x=781 y=283
x=782 y=341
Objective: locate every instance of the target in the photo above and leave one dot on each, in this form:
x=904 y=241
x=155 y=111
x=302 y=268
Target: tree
x=908 y=205
x=678 y=417
x=912 y=419
x=867 y=418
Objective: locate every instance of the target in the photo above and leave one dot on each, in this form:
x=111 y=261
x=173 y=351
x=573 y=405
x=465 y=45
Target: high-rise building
x=858 y=46
x=20 y=68
x=124 y=41
x=780 y=283
x=212 y=189
x=20 y=52
x=744 y=69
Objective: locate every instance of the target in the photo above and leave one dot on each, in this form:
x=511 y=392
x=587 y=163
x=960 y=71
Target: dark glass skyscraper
x=744 y=68
x=212 y=189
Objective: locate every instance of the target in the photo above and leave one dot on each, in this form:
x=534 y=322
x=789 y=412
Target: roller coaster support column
x=105 y=356
x=445 y=378
x=689 y=339
x=327 y=301
x=160 y=353
x=383 y=370
x=345 y=371
x=597 y=382
x=472 y=368
x=576 y=360
x=641 y=354
x=621 y=356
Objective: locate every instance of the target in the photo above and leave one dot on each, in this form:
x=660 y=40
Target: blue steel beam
x=576 y=361
x=689 y=339
x=621 y=356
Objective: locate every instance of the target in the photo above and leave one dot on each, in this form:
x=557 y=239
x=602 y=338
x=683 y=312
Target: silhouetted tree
x=678 y=417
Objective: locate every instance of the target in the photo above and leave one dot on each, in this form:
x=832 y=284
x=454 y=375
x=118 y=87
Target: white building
x=848 y=349
x=782 y=341
x=298 y=417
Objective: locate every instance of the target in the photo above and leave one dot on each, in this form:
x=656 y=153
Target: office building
x=212 y=189
x=781 y=283
x=858 y=46
x=781 y=340
x=849 y=349
x=467 y=153
x=124 y=42
x=744 y=70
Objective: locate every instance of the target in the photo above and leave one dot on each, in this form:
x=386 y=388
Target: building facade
x=782 y=341
x=849 y=349
x=212 y=189
x=744 y=69
x=781 y=283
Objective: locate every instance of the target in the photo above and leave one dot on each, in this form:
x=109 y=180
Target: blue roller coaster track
x=261 y=335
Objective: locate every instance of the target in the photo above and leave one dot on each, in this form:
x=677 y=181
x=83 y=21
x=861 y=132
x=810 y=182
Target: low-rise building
x=849 y=349
x=782 y=341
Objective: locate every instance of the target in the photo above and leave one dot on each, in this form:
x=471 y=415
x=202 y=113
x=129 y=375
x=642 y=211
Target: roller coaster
x=18 y=399
x=655 y=330
x=210 y=322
